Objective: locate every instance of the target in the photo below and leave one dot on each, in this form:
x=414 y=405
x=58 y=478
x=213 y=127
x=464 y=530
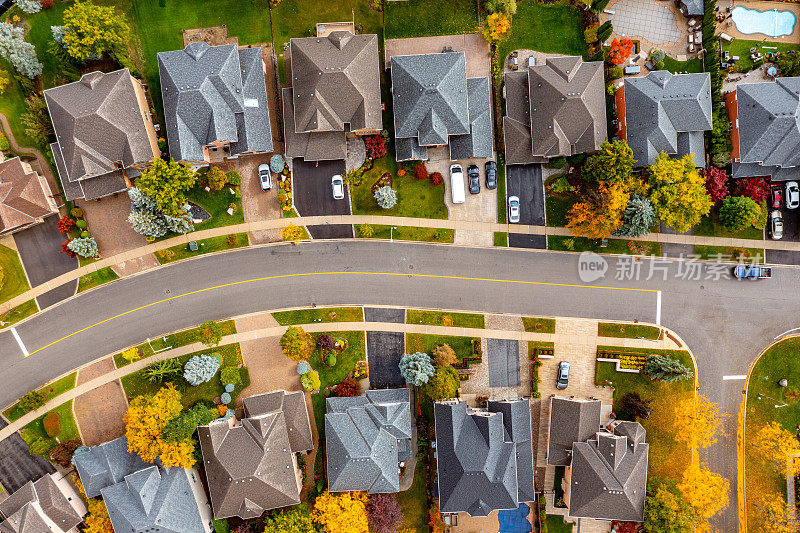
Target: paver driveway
x=645 y=18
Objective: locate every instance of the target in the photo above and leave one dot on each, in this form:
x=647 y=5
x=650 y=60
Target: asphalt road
x=725 y=322
x=525 y=181
x=313 y=196
x=40 y=251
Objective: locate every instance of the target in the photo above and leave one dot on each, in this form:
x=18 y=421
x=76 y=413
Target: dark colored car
x=777 y=196
x=562 y=379
x=491 y=175
x=474 y=176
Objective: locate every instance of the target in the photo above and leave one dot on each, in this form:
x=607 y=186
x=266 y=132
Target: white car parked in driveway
x=513 y=209
x=338 y=187
x=792 y=195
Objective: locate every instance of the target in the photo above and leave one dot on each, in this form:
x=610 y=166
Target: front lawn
x=69 y=429
x=319 y=314
x=628 y=331
x=410 y=233
x=417 y=342
x=217 y=203
x=14 y=281
x=766 y=402
x=424 y=18
x=539 y=325
x=50 y=391
x=442 y=318
x=204 y=246
x=345 y=361
x=415 y=198
x=710 y=226
x=615 y=246
x=137 y=384
x=414 y=502
x=667 y=455
x=549 y=28
x=19 y=312
x=556 y=209
x=98 y=277
x=175 y=340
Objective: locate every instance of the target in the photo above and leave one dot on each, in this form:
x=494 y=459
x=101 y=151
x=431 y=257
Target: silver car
x=776 y=225
x=513 y=209
x=338 y=187
x=562 y=379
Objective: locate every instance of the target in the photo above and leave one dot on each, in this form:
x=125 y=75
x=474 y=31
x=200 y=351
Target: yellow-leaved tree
x=91 y=30
x=343 y=512
x=776 y=445
x=144 y=423
x=497 y=27
x=97 y=521
x=771 y=515
x=679 y=195
x=697 y=421
x=600 y=214
x=704 y=490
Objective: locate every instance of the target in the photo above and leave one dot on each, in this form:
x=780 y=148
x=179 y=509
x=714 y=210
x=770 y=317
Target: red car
x=777 y=196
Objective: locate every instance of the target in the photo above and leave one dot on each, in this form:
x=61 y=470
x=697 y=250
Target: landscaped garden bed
x=464 y=347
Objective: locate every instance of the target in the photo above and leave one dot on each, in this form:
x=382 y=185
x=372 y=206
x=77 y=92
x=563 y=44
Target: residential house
x=368 y=437
x=336 y=90
x=142 y=497
x=25 y=196
x=251 y=465
x=104 y=133
x=606 y=472
x=435 y=104
x=215 y=102
x=48 y=504
x=554 y=109
x=765 y=133
x=664 y=112
x=484 y=456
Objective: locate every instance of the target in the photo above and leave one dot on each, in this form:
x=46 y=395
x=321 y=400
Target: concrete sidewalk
x=255 y=334
x=462 y=225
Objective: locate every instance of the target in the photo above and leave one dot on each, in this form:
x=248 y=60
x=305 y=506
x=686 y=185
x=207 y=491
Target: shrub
x=444 y=355
x=42 y=446
x=225 y=398
x=163 y=371
x=183 y=426
x=230 y=387
x=556 y=162
x=420 y=172
x=325 y=343
x=657 y=56
x=366 y=230
x=614 y=73
x=660 y=65
x=376 y=146
x=29 y=6
x=201 y=368
x=233 y=178
x=443 y=384
x=5 y=144
x=230 y=374
x=738 y=212
x=32 y=400
x=62 y=453
x=509 y=7
x=80 y=224
x=756 y=189
x=65 y=225
x=416 y=368
x=84 y=247
x=330 y=360
x=85 y=235
x=297 y=344
x=76 y=212
x=216 y=179
x=52 y=424
x=210 y=333
x=437 y=179
x=386 y=197
x=605 y=28
x=310 y=381
x=348 y=387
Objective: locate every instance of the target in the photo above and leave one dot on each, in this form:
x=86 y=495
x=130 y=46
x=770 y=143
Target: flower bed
x=626 y=360
x=384 y=180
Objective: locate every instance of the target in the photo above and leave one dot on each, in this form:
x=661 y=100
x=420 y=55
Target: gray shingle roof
x=364 y=437
x=429 y=93
x=567 y=113
x=214 y=93
x=609 y=475
x=775 y=173
x=295 y=410
x=769 y=131
x=484 y=458
x=98 y=123
x=312 y=146
x=570 y=421
x=479 y=142
x=667 y=113
x=154 y=499
x=22 y=515
x=105 y=465
x=250 y=466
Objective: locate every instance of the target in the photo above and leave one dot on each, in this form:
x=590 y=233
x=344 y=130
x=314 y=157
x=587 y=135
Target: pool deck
x=730 y=28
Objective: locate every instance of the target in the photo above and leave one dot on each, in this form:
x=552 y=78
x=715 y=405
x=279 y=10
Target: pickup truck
x=752 y=272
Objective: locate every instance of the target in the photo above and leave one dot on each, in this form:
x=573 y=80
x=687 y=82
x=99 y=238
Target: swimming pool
x=773 y=22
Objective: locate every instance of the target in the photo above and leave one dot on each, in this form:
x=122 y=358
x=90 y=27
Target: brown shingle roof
x=23 y=516
x=25 y=196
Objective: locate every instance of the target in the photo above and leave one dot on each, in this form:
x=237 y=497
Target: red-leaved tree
x=420 y=172
x=755 y=188
x=65 y=225
x=65 y=250
x=376 y=146
x=620 y=50
x=385 y=515
x=436 y=178
x=716 y=183
x=348 y=387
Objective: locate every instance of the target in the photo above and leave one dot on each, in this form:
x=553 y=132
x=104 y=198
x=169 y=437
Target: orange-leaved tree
x=144 y=423
x=620 y=50
x=343 y=512
x=600 y=214
x=97 y=521
x=497 y=27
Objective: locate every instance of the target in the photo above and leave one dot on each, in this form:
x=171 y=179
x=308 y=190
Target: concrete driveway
x=525 y=181
x=257 y=203
x=311 y=183
x=39 y=250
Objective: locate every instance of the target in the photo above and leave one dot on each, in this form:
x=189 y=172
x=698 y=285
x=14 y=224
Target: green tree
x=789 y=64
x=91 y=30
x=297 y=344
x=663 y=368
x=167 y=184
x=612 y=164
x=667 y=511
x=32 y=400
x=184 y=425
x=679 y=195
x=37 y=121
x=210 y=333
x=509 y=7
x=443 y=384
x=42 y=446
x=637 y=218
x=295 y=519
x=739 y=212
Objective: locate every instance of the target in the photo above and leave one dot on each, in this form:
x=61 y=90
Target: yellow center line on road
x=303 y=274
